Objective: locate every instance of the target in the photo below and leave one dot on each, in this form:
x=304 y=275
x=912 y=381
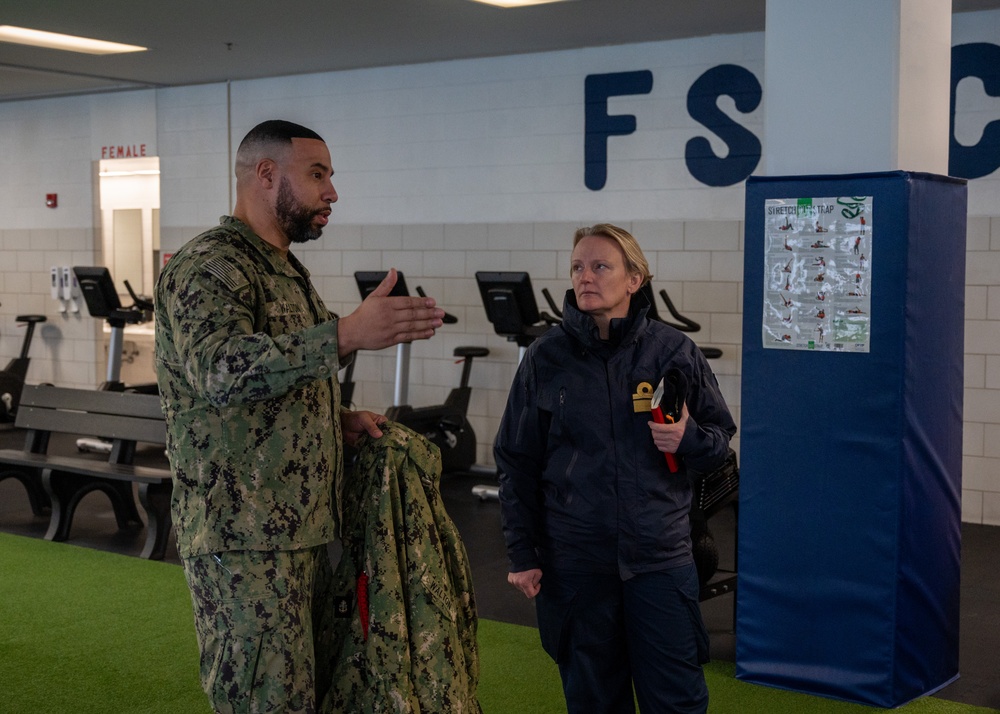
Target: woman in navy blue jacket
x=596 y=525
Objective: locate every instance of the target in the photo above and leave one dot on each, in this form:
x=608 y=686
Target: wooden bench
x=129 y=421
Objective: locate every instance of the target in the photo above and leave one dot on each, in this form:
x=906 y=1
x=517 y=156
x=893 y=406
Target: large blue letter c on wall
x=982 y=60
x=744 y=148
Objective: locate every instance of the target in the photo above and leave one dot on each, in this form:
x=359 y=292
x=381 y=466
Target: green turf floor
x=84 y=631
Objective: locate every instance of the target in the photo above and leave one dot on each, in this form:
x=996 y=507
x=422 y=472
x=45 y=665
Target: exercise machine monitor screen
x=98 y=290
x=368 y=280
x=509 y=300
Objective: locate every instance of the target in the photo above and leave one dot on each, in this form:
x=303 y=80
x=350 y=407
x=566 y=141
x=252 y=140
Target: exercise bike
x=102 y=301
x=12 y=380
x=684 y=323
x=511 y=308
x=445 y=425
x=13 y=376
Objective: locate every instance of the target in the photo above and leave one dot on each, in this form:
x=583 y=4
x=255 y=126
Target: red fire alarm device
x=51 y=200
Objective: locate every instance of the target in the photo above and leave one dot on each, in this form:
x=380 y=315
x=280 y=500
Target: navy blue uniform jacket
x=582 y=486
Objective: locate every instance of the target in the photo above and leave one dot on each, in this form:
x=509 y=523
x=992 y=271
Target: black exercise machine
x=511 y=308
x=713 y=492
x=13 y=376
x=684 y=323
x=102 y=300
x=446 y=425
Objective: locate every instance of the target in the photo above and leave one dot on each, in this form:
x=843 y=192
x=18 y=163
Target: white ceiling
x=202 y=41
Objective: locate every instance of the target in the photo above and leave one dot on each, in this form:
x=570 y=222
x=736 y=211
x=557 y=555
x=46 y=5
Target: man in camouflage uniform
x=246 y=359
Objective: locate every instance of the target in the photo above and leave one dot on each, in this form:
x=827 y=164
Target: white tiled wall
x=981 y=465
x=446 y=267
x=444 y=170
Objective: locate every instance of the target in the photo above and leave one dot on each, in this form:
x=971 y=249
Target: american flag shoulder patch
x=225 y=272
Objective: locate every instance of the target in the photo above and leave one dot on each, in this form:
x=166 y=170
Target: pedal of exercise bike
x=486 y=493
x=91 y=445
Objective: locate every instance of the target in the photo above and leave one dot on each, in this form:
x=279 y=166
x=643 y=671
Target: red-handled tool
x=667 y=403
x=363 y=603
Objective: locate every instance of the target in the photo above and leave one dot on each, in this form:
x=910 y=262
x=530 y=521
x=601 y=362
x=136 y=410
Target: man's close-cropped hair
x=265 y=136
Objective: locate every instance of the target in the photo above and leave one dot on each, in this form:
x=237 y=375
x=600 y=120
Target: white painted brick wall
x=446 y=169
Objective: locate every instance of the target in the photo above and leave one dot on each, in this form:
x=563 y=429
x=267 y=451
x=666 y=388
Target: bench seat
x=60 y=481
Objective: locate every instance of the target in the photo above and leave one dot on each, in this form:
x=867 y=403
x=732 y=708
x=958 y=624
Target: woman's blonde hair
x=635 y=261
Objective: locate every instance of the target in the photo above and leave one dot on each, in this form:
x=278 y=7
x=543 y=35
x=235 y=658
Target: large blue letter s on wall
x=982 y=60
x=744 y=148
x=599 y=126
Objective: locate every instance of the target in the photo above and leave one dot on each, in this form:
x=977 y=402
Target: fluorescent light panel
x=56 y=41
x=516 y=3
x=136 y=166
x=143 y=172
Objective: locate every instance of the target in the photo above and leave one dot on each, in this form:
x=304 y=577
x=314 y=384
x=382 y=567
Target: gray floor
x=479 y=524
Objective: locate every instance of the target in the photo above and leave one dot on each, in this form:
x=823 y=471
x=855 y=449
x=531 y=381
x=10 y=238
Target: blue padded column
x=850 y=462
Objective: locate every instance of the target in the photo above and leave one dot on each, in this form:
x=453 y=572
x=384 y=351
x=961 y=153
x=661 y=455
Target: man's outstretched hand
x=382 y=321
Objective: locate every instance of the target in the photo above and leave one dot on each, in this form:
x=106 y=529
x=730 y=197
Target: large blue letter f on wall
x=599 y=125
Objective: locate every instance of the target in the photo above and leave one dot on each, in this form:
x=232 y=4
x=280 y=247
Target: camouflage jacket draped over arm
x=416 y=649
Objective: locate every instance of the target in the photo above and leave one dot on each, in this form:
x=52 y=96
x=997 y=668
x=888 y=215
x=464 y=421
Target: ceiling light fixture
x=516 y=3
x=56 y=41
x=141 y=172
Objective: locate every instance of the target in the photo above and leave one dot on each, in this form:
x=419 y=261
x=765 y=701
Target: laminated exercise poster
x=817 y=273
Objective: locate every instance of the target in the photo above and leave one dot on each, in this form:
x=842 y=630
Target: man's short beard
x=295 y=220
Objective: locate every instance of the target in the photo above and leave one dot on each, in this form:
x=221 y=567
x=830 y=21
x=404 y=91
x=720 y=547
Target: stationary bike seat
x=471 y=351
